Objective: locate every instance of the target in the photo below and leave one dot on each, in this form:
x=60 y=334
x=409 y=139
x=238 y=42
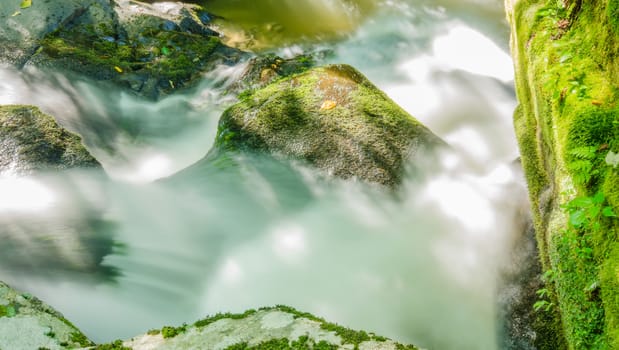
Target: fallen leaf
x=16 y=13
x=596 y=102
x=327 y=105
x=118 y=69
x=25 y=4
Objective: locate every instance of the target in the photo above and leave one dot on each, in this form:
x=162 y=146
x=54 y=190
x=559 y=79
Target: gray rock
x=331 y=117
x=32 y=141
x=29 y=324
x=268 y=328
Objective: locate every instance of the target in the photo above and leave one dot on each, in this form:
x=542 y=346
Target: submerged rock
x=28 y=323
x=32 y=141
x=331 y=117
x=278 y=328
x=152 y=49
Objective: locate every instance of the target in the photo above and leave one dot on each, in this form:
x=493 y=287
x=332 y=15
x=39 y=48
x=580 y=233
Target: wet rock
x=152 y=49
x=333 y=118
x=265 y=69
x=28 y=323
x=33 y=141
x=21 y=29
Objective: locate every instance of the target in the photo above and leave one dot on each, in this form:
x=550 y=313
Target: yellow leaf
x=327 y=105
x=25 y=4
x=16 y=13
x=118 y=69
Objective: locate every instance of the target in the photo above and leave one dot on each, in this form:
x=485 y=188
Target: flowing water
x=129 y=249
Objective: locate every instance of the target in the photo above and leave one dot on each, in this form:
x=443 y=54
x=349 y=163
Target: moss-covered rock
x=566 y=61
x=32 y=141
x=277 y=328
x=150 y=49
x=28 y=323
x=331 y=117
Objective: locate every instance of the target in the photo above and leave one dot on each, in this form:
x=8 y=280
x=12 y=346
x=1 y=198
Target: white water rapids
x=420 y=267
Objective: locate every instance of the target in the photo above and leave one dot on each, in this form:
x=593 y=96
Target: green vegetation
x=171 y=332
x=115 y=345
x=79 y=338
x=303 y=343
x=8 y=310
x=331 y=117
x=348 y=336
x=566 y=124
x=173 y=57
x=42 y=142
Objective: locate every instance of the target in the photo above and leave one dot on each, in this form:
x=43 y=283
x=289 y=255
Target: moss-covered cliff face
x=566 y=55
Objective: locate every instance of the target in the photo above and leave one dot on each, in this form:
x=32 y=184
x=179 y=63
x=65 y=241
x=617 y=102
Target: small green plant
x=578 y=86
x=582 y=166
x=171 y=332
x=543 y=305
x=586 y=212
x=543 y=294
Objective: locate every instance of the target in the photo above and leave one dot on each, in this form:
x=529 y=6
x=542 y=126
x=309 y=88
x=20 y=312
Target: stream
x=151 y=242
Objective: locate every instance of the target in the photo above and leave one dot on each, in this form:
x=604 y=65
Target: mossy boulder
x=331 y=117
x=151 y=49
x=566 y=56
x=33 y=141
x=277 y=328
x=28 y=323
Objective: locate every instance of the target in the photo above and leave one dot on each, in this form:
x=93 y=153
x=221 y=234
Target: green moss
x=207 y=321
x=171 y=332
x=42 y=142
x=174 y=57
x=566 y=123
x=302 y=343
x=331 y=117
x=348 y=336
x=612 y=12
x=8 y=310
x=115 y=345
x=80 y=338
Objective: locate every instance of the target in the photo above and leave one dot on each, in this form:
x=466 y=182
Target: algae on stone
x=331 y=117
x=565 y=55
